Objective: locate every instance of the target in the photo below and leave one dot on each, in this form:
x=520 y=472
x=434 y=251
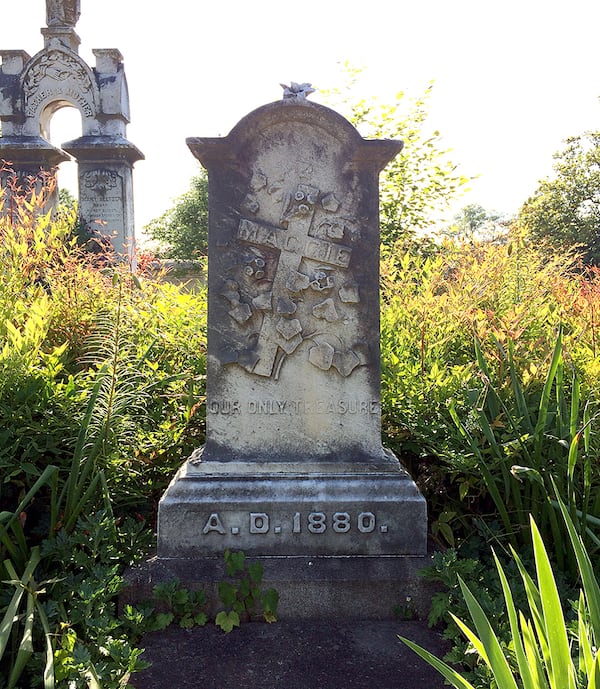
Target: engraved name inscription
x=262 y=523
x=48 y=94
x=101 y=198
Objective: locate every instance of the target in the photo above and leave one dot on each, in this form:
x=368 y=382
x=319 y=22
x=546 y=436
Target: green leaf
x=586 y=654
x=227 y=593
x=445 y=670
x=534 y=601
x=13 y=606
x=163 y=620
x=234 y=562
x=255 y=570
x=186 y=622
x=270 y=600
x=227 y=620
x=594 y=675
x=49 y=665
x=522 y=660
x=532 y=652
x=493 y=651
x=562 y=672
x=26 y=646
x=590 y=583
x=546 y=392
x=201 y=619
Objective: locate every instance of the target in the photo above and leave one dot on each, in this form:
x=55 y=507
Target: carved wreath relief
x=294 y=284
x=100 y=181
x=57 y=65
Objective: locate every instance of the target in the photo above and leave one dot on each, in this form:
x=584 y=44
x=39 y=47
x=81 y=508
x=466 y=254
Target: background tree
x=475 y=223
x=565 y=210
x=182 y=231
x=418 y=186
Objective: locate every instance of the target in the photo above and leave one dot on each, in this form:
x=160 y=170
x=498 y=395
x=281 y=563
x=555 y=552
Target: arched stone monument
x=32 y=89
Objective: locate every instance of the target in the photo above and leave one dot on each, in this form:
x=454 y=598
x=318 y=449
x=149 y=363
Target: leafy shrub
x=469 y=350
x=101 y=379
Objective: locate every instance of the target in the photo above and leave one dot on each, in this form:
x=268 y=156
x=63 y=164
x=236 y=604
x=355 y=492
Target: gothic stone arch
x=32 y=89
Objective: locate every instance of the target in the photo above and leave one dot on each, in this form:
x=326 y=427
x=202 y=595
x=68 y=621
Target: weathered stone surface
x=293 y=463
x=292 y=509
x=310 y=587
x=312 y=225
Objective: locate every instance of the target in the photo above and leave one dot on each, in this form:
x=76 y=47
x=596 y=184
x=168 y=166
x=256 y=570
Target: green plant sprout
x=243 y=598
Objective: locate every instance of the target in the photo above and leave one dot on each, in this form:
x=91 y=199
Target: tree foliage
x=417 y=187
x=182 y=231
x=474 y=222
x=565 y=210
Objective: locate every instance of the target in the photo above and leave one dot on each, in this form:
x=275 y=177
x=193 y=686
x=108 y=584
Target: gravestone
x=32 y=89
x=293 y=463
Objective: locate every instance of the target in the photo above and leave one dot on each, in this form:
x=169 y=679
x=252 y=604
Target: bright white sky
x=512 y=79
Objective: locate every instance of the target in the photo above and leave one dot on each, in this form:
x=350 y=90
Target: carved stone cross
x=294 y=242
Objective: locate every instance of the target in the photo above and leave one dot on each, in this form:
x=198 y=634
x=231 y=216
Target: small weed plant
x=242 y=596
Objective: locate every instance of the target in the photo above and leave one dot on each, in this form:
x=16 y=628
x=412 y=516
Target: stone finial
x=297 y=91
x=62 y=12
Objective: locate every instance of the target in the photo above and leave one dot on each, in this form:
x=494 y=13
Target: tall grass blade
x=532 y=652
x=49 y=664
x=517 y=388
x=487 y=474
x=560 y=667
x=535 y=604
x=26 y=646
x=20 y=583
x=71 y=491
x=493 y=650
x=43 y=479
x=540 y=426
x=451 y=676
x=522 y=660
x=594 y=679
x=591 y=588
x=586 y=654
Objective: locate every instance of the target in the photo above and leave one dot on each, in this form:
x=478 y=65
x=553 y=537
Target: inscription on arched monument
x=57 y=75
x=101 y=192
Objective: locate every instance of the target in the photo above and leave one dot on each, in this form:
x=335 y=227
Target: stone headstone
x=293 y=462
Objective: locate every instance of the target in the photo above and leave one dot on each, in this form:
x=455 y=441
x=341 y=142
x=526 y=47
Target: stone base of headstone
x=304 y=508
x=335 y=539
x=351 y=587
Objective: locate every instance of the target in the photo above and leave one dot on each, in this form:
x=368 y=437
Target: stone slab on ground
x=292 y=654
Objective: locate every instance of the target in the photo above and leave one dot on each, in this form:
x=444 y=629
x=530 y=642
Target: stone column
x=106 y=187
